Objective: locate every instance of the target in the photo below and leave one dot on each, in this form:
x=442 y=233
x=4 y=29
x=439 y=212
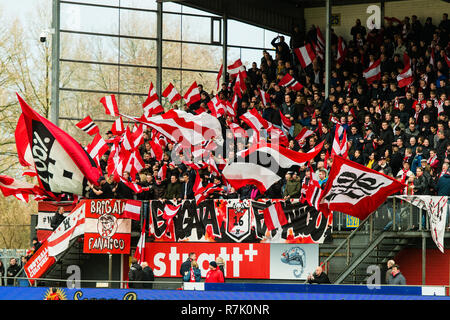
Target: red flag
x=132 y=210
x=170 y=211
x=274 y=216
x=118 y=127
x=171 y=93
x=341 y=51
x=110 y=104
x=139 y=254
x=405 y=78
x=373 y=72
x=356 y=190
x=192 y=95
x=62 y=164
x=97 y=148
x=151 y=105
x=88 y=126
x=305 y=55
x=289 y=82
x=219 y=76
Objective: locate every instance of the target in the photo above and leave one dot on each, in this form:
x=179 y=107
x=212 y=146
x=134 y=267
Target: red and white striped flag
x=277 y=136
x=97 y=148
x=274 y=216
x=192 y=95
x=156 y=150
x=132 y=210
x=71 y=227
x=341 y=50
x=373 y=72
x=237 y=131
x=305 y=55
x=219 y=76
x=303 y=135
x=118 y=127
x=340 y=147
x=286 y=123
x=110 y=104
x=216 y=107
x=313 y=191
x=151 y=105
x=265 y=97
x=171 y=94
x=405 y=78
x=254 y=120
x=139 y=254
x=88 y=126
x=170 y=211
x=162 y=172
x=289 y=82
x=237 y=68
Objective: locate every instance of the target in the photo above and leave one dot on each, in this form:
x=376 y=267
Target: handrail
x=339 y=247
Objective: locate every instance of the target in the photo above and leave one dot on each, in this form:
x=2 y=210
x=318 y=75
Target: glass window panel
x=208 y=80
x=102 y=2
x=138 y=23
x=248 y=56
x=171 y=7
x=232 y=55
x=136 y=80
x=174 y=77
x=196 y=29
x=190 y=10
x=136 y=51
x=242 y=34
x=171 y=26
x=89 y=47
x=217 y=30
x=78 y=104
x=171 y=52
x=89 y=19
x=140 y=4
x=203 y=57
x=89 y=76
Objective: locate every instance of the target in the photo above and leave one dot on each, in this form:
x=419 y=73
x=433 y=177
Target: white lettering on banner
x=106 y=243
x=250 y=252
x=104 y=207
x=166 y=260
x=237 y=258
x=36 y=265
x=173 y=257
x=160 y=266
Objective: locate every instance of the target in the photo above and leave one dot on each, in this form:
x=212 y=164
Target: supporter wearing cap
x=214 y=274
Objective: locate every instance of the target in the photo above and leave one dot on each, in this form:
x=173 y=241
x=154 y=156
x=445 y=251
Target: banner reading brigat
x=106 y=231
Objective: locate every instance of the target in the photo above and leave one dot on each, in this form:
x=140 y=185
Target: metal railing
x=394 y=215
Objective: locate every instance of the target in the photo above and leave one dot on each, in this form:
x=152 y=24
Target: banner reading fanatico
x=106 y=231
x=234 y=220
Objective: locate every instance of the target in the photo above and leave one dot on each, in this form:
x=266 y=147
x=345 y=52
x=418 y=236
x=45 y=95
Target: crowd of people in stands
x=401 y=132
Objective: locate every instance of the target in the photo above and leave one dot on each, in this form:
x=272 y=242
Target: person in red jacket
x=214 y=274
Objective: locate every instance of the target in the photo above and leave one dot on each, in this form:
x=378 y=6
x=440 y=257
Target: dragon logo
x=107 y=225
x=296 y=257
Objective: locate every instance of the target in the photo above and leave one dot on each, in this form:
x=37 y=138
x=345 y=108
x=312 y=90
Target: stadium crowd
x=401 y=132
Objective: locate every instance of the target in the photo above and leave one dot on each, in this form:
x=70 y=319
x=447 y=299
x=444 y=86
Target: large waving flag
x=61 y=163
x=356 y=190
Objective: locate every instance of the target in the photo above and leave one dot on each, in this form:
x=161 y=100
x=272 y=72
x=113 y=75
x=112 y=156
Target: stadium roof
x=277 y=15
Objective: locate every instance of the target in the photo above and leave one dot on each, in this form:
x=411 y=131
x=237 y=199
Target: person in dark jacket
x=397 y=277
x=443 y=185
x=318 y=277
x=149 y=276
x=57 y=218
x=135 y=274
x=12 y=271
x=186 y=189
x=186 y=266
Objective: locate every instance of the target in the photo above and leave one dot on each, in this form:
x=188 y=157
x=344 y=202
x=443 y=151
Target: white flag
x=436 y=207
x=71 y=227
